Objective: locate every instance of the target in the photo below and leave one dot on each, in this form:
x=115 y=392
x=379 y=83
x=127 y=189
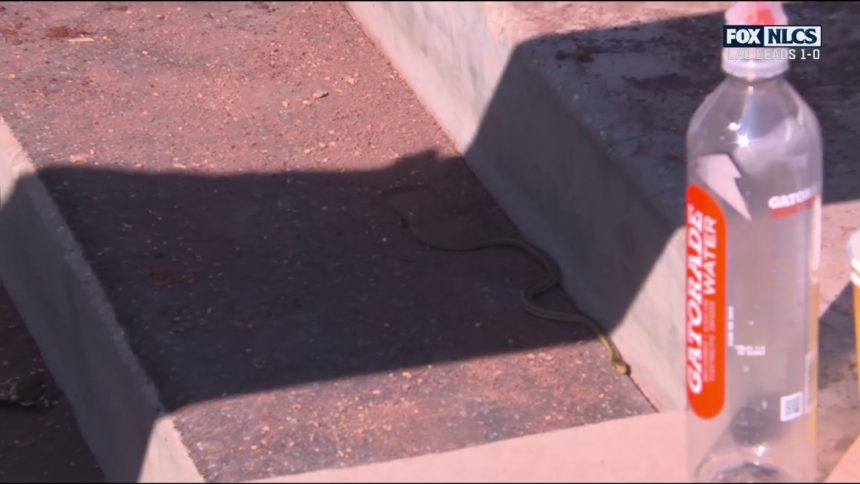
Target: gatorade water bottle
x=753 y=215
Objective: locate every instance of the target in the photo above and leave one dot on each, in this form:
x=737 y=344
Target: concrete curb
x=614 y=450
x=590 y=453
x=67 y=312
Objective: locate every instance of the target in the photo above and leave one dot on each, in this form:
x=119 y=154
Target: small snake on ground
x=528 y=295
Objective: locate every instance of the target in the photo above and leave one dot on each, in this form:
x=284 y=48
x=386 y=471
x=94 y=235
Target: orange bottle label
x=705 y=304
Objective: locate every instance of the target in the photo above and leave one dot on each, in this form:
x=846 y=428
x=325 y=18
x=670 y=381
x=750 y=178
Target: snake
x=529 y=294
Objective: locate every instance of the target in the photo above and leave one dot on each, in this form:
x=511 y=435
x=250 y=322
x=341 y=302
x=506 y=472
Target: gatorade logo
x=705 y=303
x=783 y=205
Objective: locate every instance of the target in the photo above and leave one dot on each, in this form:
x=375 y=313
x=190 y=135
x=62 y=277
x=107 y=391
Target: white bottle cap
x=755 y=63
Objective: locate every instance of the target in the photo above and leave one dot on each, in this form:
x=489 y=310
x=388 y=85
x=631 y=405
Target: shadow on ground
x=239 y=284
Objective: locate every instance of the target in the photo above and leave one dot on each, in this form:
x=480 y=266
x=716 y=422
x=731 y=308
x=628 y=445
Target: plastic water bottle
x=753 y=216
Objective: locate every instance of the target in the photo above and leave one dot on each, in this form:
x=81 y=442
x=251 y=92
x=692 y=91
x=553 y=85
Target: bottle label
x=705 y=303
x=791 y=407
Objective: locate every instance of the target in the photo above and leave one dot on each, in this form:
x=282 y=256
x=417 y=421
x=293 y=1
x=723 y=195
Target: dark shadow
x=837 y=346
x=238 y=276
x=239 y=284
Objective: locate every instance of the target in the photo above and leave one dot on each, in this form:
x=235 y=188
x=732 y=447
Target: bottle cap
x=755 y=63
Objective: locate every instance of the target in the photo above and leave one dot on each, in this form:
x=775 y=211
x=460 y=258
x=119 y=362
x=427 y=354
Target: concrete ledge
x=611 y=451
x=66 y=311
x=848 y=468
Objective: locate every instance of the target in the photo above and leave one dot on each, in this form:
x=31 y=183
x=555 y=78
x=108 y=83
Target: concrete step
x=573 y=115
x=570 y=455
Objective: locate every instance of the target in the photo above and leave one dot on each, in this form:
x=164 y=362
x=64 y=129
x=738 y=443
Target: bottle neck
x=755 y=63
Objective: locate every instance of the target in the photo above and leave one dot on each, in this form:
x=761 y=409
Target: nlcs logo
x=772 y=36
